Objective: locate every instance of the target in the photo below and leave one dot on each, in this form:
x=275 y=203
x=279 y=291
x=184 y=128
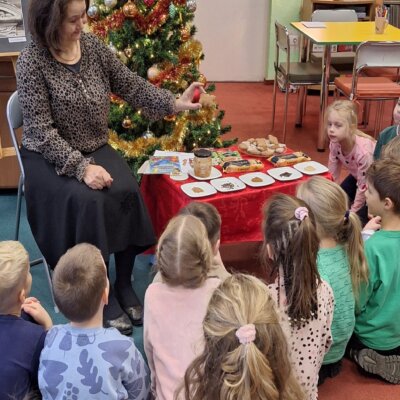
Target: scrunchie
x=346 y=216
x=300 y=213
x=246 y=334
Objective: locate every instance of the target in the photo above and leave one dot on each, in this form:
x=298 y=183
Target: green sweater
x=378 y=320
x=385 y=137
x=334 y=268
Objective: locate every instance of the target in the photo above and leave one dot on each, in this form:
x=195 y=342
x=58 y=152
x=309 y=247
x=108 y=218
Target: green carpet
x=142 y=273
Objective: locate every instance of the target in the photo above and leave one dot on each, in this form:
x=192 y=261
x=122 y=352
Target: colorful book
x=163 y=164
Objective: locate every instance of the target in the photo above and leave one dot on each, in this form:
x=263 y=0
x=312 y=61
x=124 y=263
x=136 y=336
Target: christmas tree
x=155 y=38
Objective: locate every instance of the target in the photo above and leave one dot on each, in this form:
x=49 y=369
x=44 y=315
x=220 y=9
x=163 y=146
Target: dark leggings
x=349 y=185
x=329 y=371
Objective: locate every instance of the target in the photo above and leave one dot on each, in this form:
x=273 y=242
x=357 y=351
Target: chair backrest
x=340 y=15
x=375 y=55
x=15 y=121
x=282 y=42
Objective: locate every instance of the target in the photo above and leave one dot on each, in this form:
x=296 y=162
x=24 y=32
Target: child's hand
x=374 y=224
x=33 y=307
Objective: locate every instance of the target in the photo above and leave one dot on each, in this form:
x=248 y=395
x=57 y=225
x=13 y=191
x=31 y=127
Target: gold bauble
x=170 y=118
x=127 y=123
x=128 y=52
x=202 y=79
x=129 y=9
x=122 y=57
x=185 y=33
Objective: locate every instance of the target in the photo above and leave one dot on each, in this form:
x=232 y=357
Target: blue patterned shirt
x=95 y=363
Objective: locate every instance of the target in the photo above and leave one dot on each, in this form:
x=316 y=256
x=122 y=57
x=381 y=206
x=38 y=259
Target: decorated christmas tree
x=155 y=38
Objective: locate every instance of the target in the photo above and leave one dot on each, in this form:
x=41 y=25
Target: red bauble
x=196 y=95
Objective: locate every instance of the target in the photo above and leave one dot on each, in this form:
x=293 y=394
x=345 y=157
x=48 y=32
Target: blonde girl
x=306 y=302
x=246 y=354
x=341 y=261
x=350 y=148
x=175 y=308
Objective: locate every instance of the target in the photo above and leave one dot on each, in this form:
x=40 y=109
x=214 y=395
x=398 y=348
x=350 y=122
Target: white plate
x=284 y=174
x=263 y=179
x=311 y=168
x=215 y=173
x=229 y=184
x=181 y=177
x=198 y=189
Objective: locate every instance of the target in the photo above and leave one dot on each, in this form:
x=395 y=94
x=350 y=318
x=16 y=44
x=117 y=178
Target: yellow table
x=340 y=33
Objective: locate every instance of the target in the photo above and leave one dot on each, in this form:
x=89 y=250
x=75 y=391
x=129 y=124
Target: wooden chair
x=361 y=88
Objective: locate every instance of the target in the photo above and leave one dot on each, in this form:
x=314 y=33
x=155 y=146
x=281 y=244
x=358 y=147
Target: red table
x=241 y=211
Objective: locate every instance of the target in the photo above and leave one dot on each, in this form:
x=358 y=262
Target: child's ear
x=270 y=252
x=388 y=204
x=215 y=247
x=22 y=296
x=106 y=292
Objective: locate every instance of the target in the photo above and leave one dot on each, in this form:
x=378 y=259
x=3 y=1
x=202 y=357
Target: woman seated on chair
x=77 y=188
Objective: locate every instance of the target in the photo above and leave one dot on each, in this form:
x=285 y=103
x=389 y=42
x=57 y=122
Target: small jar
x=202 y=163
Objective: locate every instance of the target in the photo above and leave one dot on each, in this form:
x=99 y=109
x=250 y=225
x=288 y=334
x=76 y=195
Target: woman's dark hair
x=294 y=245
x=45 y=18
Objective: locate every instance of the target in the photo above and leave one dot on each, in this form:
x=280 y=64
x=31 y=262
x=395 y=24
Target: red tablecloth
x=241 y=211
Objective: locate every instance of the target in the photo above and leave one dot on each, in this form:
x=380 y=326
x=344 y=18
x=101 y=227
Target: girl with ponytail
x=341 y=260
x=174 y=309
x=246 y=354
x=306 y=302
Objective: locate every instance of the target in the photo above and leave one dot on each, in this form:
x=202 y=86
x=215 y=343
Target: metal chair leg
x=274 y=101
x=287 y=87
x=19 y=203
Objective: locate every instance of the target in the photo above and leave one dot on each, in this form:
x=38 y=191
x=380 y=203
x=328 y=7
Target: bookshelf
x=364 y=8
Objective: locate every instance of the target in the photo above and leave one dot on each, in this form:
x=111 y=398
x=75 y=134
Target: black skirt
x=63 y=212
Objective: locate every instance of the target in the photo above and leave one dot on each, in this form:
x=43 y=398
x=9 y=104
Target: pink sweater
x=173 y=332
x=356 y=162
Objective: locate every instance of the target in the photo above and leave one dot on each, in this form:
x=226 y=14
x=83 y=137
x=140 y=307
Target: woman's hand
x=185 y=101
x=33 y=307
x=96 y=177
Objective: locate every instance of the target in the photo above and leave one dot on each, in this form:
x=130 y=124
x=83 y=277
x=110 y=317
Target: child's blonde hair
x=348 y=111
x=294 y=245
x=230 y=370
x=184 y=253
x=391 y=150
x=330 y=205
x=14 y=267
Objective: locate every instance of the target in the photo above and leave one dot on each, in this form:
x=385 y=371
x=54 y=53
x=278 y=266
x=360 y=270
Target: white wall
x=234 y=38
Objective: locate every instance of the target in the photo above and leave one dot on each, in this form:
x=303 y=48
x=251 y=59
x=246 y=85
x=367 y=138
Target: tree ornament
x=122 y=57
x=129 y=52
x=191 y=5
x=110 y=3
x=148 y=3
x=127 y=123
x=172 y=10
x=148 y=134
x=93 y=12
x=185 y=33
x=202 y=79
x=112 y=48
x=103 y=8
x=129 y=9
x=153 y=72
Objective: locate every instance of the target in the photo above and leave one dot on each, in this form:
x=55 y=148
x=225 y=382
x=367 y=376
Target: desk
x=241 y=211
x=340 y=33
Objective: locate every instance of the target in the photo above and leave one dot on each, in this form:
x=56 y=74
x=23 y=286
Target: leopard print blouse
x=65 y=113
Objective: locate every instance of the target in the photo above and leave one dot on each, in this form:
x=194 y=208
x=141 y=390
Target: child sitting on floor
x=211 y=219
x=290 y=252
x=82 y=359
x=174 y=308
x=375 y=345
x=21 y=341
x=246 y=354
x=350 y=148
x=341 y=262
x=388 y=133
